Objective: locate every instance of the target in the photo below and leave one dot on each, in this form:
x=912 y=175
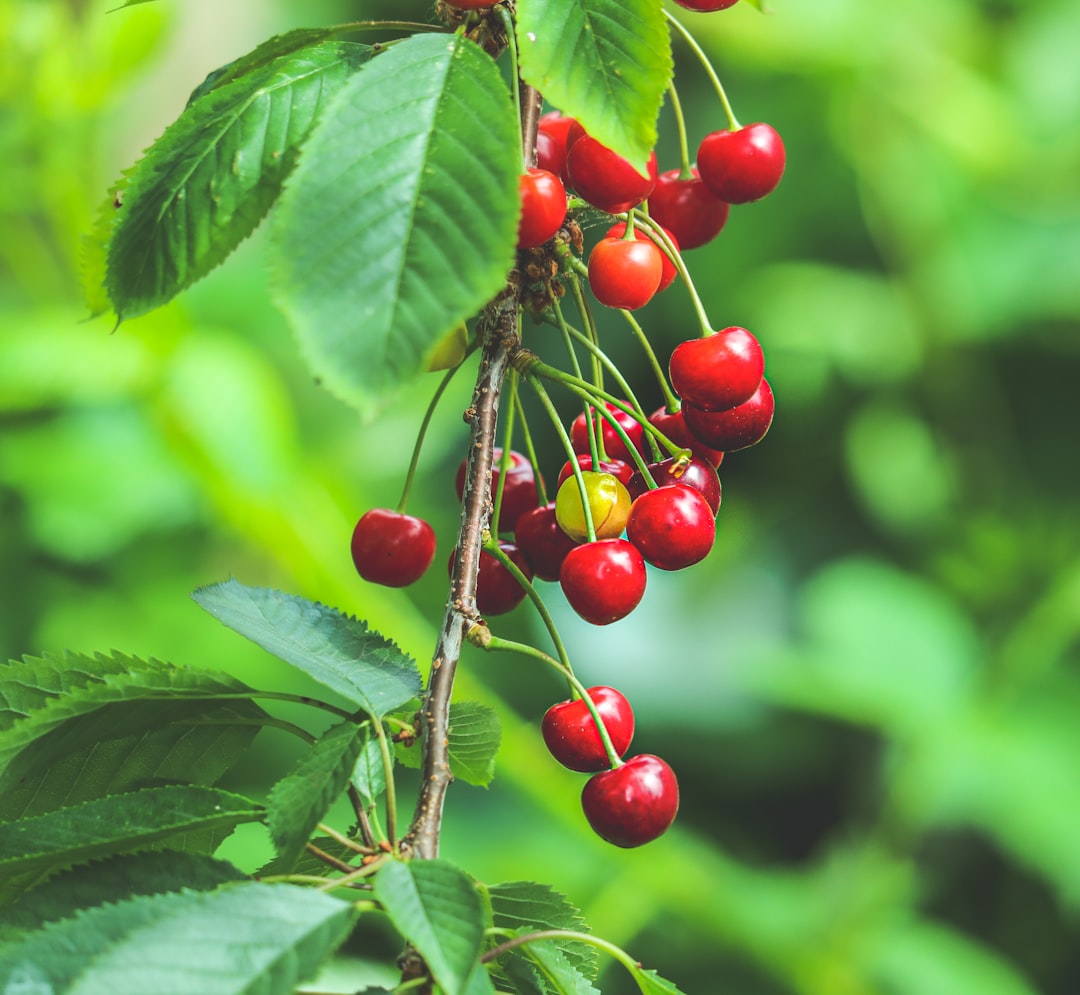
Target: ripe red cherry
x=519 y=491
x=543 y=207
x=552 y=132
x=668 y=272
x=672 y=527
x=687 y=208
x=619 y=469
x=391 y=548
x=705 y=6
x=718 y=371
x=571 y=734
x=736 y=428
x=613 y=443
x=672 y=424
x=603 y=581
x=497 y=590
x=605 y=179
x=543 y=542
x=743 y=165
x=698 y=473
x=632 y=804
x=625 y=273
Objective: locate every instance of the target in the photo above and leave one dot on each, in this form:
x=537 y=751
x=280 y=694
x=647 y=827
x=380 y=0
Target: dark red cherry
x=668 y=272
x=736 y=428
x=613 y=443
x=605 y=179
x=519 y=491
x=672 y=527
x=634 y=803
x=497 y=590
x=688 y=209
x=706 y=6
x=552 y=133
x=698 y=473
x=717 y=371
x=543 y=207
x=672 y=424
x=391 y=548
x=743 y=165
x=603 y=581
x=543 y=542
x=571 y=735
x=619 y=469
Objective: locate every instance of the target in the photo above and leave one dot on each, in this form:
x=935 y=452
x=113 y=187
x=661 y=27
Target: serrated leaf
x=651 y=983
x=369 y=774
x=526 y=905
x=605 y=62
x=335 y=649
x=561 y=976
x=474 y=737
x=250 y=938
x=298 y=802
x=400 y=220
x=438 y=909
x=307 y=862
x=207 y=182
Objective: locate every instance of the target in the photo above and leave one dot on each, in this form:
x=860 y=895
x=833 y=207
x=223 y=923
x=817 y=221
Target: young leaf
x=298 y=801
x=474 y=740
x=243 y=939
x=208 y=181
x=369 y=774
x=337 y=650
x=400 y=220
x=438 y=909
x=562 y=977
x=651 y=983
x=526 y=905
x=605 y=62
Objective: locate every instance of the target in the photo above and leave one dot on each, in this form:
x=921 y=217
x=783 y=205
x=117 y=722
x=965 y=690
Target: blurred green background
x=871 y=690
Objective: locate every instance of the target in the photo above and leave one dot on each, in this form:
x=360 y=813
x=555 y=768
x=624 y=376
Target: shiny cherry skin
x=571 y=735
x=706 y=6
x=743 y=165
x=718 y=371
x=672 y=424
x=552 y=132
x=609 y=504
x=391 y=548
x=687 y=208
x=519 y=492
x=634 y=803
x=668 y=272
x=619 y=469
x=543 y=207
x=497 y=590
x=603 y=581
x=605 y=179
x=543 y=543
x=672 y=527
x=737 y=428
x=698 y=473
x=613 y=443
x=625 y=273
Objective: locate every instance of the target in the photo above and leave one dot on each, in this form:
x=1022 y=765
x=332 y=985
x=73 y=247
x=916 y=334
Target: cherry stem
x=661 y=379
x=733 y=123
x=530 y=449
x=492 y=642
x=344 y=840
x=586 y=316
x=388 y=776
x=504 y=458
x=685 y=172
x=511 y=44
x=565 y=329
x=611 y=367
x=675 y=256
x=558 y=934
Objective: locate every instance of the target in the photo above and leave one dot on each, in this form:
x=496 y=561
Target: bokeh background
x=870 y=691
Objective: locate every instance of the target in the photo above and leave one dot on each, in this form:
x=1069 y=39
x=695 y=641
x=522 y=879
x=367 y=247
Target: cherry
x=634 y=803
x=552 y=132
x=687 y=209
x=705 y=6
x=737 y=428
x=603 y=581
x=672 y=527
x=613 y=443
x=519 y=491
x=743 y=165
x=698 y=473
x=543 y=207
x=497 y=590
x=609 y=504
x=605 y=179
x=668 y=272
x=625 y=272
x=672 y=424
x=571 y=735
x=718 y=371
x=544 y=544
x=391 y=548
x=619 y=469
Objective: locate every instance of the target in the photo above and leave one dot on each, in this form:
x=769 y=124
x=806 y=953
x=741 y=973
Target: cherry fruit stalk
x=570 y=732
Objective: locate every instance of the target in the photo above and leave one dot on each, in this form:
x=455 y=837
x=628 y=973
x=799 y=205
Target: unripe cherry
x=609 y=504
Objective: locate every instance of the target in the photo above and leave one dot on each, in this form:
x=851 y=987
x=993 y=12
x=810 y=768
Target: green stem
x=661 y=379
x=675 y=256
x=685 y=172
x=504 y=457
x=587 y=319
x=344 y=840
x=511 y=44
x=559 y=934
x=733 y=123
x=530 y=449
x=616 y=374
x=391 y=790
x=560 y=318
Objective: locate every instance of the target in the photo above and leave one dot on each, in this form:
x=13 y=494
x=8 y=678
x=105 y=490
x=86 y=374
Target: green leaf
x=562 y=977
x=115 y=824
x=298 y=802
x=438 y=909
x=250 y=938
x=651 y=983
x=208 y=181
x=605 y=62
x=526 y=905
x=401 y=218
x=337 y=650
x=474 y=738
x=369 y=774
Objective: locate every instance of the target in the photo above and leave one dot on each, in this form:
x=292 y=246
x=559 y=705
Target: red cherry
x=613 y=443
x=497 y=590
x=552 y=133
x=718 y=371
x=543 y=207
x=672 y=424
x=672 y=527
x=543 y=542
x=519 y=491
x=632 y=804
x=605 y=179
x=625 y=273
x=604 y=580
x=571 y=734
x=706 y=6
x=698 y=473
x=391 y=548
x=668 y=272
x=688 y=209
x=744 y=165
x=619 y=469
x=736 y=428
